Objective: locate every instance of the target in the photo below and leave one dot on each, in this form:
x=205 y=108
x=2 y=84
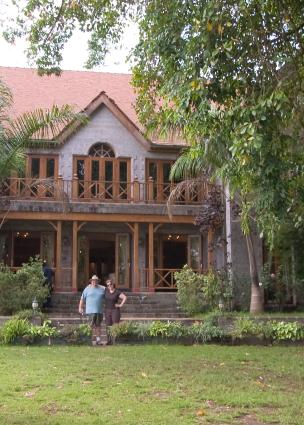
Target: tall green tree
x=227 y=75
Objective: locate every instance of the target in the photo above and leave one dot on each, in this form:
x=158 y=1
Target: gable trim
x=103 y=100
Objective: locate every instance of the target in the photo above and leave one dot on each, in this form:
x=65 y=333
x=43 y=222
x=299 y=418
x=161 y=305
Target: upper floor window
x=42 y=166
x=102 y=150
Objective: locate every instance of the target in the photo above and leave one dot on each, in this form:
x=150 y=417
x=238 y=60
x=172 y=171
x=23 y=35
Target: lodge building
x=94 y=201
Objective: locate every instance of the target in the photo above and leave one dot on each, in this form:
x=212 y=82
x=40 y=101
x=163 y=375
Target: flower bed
x=213 y=330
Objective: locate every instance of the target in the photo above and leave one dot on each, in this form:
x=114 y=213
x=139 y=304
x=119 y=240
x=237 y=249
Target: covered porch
x=138 y=256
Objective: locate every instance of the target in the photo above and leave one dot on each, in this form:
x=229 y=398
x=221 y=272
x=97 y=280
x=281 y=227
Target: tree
x=225 y=74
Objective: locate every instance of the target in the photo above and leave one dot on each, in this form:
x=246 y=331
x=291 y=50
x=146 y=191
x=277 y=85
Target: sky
x=75 y=53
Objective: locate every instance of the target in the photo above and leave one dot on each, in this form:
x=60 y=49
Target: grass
x=151 y=384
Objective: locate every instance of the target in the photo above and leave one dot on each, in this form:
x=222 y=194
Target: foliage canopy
x=229 y=74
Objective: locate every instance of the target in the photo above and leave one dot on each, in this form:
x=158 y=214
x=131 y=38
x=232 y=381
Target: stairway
x=140 y=305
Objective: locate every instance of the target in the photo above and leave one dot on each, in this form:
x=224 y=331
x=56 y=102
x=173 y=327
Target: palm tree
x=194 y=163
x=17 y=134
x=28 y=129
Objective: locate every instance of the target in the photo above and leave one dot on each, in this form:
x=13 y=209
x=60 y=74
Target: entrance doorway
x=174 y=254
x=104 y=254
x=102 y=258
x=26 y=245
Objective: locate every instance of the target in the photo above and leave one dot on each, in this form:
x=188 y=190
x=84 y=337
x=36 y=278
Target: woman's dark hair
x=110 y=281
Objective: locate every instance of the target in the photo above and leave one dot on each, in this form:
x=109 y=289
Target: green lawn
x=151 y=384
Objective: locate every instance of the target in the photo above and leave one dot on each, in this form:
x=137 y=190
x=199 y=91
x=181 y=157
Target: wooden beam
x=151 y=257
x=74 y=256
x=58 y=254
x=157 y=227
x=131 y=227
x=54 y=225
x=97 y=217
x=136 y=255
x=80 y=226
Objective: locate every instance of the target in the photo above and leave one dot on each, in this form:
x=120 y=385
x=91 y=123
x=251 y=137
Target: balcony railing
x=163 y=279
x=99 y=191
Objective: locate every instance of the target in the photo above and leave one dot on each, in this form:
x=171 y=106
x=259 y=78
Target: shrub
x=198 y=292
x=46 y=330
x=85 y=330
x=244 y=327
x=189 y=290
x=292 y=331
x=205 y=332
x=212 y=290
x=29 y=314
x=141 y=330
x=75 y=333
x=13 y=329
x=122 y=329
x=17 y=290
x=168 y=329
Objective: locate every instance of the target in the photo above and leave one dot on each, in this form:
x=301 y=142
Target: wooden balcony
x=99 y=191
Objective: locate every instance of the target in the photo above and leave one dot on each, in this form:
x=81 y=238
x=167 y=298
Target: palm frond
x=192 y=164
x=43 y=124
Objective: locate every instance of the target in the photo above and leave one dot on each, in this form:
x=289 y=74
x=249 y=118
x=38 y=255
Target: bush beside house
x=17 y=290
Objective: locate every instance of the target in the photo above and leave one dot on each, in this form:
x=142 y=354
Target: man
x=48 y=281
x=92 y=297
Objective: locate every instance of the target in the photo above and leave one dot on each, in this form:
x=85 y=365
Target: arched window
x=102 y=150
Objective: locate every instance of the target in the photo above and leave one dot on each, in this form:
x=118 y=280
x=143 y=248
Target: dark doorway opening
x=174 y=257
x=174 y=254
x=25 y=246
x=102 y=259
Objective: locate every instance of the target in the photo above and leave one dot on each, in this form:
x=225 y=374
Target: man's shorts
x=95 y=319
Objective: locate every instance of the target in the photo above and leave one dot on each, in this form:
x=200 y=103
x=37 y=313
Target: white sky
x=75 y=53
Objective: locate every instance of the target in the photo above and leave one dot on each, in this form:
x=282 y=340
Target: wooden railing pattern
x=99 y=191
x=163 y=278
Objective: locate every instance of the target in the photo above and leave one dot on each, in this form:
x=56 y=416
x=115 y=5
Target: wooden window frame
x=102 y=162
x=159 y=176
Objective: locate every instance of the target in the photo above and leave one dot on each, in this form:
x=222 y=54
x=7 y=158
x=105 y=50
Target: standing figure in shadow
x=48 y=281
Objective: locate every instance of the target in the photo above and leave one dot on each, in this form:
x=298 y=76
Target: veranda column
x=151 y=257
x=210 y=249
x=58 y=254
x=74 y=256
x=136 y=255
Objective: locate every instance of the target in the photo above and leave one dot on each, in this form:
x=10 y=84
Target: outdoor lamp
x=221 y=304
x=34 y=305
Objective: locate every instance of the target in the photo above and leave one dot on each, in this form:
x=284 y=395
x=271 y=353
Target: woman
x=114 y=300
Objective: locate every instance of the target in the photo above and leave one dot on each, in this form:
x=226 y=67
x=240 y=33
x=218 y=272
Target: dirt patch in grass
x=161 y=395
x=250 y=419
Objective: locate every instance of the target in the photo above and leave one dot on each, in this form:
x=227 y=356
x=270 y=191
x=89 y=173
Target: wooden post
x=59 y=188
x=151 y=257
x=210 y=249
x=136 y=189
x=75 y=187
x=74 y=256
x=13 y=184
x=58 y=254
x=150 y=189
x=135 y=255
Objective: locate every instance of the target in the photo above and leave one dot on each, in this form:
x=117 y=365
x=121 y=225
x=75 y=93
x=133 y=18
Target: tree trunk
x=256 y=300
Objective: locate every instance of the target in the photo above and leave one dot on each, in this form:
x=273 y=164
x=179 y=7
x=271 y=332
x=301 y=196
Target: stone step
x=60 y=321
x=140 y=304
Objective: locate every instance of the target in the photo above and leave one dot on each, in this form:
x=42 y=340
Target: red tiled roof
x=79 y=88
